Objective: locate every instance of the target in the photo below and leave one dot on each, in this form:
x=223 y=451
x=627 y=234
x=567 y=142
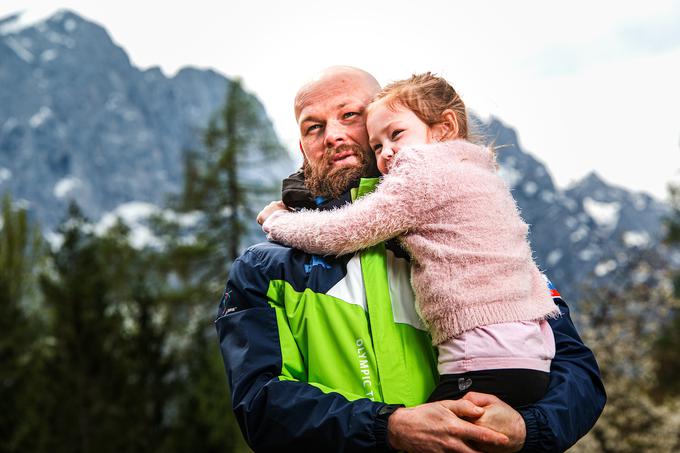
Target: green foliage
x=667 y=357
x=204 y=420
x=237 y=140
x=107 y=372
x=621 y=328
x=217 y=200
x=667 y=348
x=20 y=253
x=20 y=248
x=673 y=220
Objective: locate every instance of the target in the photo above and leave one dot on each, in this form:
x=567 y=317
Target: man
x=322 y=353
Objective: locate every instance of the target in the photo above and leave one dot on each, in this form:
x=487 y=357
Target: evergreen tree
x=20 y=253
x=110 y=368
x=145 y=354
x=667 y=349
x=224 y=181
x=224 y=186
x=621 y=328
x=87 y=378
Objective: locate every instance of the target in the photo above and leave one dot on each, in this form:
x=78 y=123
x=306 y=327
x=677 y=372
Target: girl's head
x=421 y=109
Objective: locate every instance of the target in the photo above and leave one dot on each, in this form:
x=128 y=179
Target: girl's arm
x=388 y=212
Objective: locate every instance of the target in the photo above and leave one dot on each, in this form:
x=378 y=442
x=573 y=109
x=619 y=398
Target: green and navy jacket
x=315 y=346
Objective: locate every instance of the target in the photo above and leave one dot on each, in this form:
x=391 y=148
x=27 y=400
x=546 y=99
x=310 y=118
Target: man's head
x=330 y=112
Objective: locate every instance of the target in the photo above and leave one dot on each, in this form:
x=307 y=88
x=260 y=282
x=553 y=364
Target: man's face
x=331 y=118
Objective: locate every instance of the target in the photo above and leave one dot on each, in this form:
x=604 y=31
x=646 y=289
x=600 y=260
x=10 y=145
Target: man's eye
x=313 y=127
x=377 y=148
x=396 y=133
x=349 y=115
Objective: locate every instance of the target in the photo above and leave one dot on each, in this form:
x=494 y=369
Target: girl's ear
x=447 y=128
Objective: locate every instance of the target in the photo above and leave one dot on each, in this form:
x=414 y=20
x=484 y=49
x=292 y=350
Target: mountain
x=78 y=120
x=590 y=233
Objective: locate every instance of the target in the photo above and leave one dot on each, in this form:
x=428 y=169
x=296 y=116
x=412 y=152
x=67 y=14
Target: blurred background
x=139 y=140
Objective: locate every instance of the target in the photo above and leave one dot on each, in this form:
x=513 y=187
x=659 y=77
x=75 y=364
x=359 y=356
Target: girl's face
x=391 y=128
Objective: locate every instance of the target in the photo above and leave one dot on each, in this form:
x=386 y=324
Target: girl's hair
x=428 y=96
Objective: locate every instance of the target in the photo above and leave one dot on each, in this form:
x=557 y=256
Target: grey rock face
x=78 y=121
x=590 y=233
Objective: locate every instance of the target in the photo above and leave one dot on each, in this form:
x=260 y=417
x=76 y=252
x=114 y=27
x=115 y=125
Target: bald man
x=328 y=354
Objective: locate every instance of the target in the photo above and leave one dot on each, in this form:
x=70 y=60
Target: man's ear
x=304 y=156
x=448 y=126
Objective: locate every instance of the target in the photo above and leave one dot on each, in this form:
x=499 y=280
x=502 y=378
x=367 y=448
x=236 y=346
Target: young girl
x=477 y=287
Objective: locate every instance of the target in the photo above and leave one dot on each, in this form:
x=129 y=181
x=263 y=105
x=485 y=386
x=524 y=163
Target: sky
x=588 y=85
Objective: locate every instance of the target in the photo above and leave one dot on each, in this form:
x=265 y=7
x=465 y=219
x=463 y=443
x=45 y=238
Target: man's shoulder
x=264 y=255
x=261 y=263
x=267 y=261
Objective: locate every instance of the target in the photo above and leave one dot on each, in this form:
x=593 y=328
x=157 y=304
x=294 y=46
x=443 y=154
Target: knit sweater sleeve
x=392 y=209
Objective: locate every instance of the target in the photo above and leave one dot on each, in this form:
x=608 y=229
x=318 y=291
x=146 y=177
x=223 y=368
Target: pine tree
x=110 y=368
x=667 y=349
x=237 y=142
x=145 y=354
x=20 y=253
x=621 y=328
x=87 y=378
x=223 y=186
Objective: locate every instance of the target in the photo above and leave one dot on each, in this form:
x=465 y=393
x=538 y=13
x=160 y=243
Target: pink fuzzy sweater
x=471 y=261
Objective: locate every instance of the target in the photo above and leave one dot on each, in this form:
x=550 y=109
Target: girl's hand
x=270 y=209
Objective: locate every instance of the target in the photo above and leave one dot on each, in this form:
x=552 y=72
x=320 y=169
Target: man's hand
x=440 y=427
x=270 y=209
x=499 y=417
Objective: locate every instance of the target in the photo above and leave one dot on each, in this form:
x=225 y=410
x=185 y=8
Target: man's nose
x=335 y=134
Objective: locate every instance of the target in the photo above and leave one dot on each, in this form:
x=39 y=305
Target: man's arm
x=571 y=406
x=275 y=405
x=575 y=397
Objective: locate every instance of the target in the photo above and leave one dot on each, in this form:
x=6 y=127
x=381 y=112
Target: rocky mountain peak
x=79 y=121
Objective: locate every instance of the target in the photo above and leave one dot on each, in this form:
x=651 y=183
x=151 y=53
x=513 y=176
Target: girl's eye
x=349 y=115
x=377 y=148
x=396 y=133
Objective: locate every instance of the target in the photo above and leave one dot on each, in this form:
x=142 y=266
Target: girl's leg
x=517 y=387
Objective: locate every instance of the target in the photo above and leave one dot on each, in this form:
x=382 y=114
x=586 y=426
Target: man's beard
x=324 y=179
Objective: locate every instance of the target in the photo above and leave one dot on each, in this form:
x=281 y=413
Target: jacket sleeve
x=388 y=212
x=575 y=397
x=276 y=408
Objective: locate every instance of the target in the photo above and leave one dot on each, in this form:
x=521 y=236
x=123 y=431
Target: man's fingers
x=480 y=399
x=468 y=431
x=461 y=447
x=463 y=408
